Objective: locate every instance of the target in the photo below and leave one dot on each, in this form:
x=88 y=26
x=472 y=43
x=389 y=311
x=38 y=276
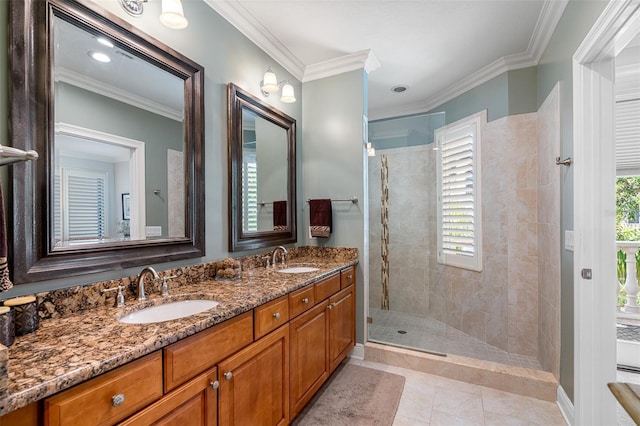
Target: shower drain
x=402 y=332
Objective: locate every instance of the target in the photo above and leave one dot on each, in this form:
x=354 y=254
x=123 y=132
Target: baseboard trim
x=566 y=406
x=357 y=352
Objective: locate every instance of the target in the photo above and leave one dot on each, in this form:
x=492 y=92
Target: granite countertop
x=66 y=351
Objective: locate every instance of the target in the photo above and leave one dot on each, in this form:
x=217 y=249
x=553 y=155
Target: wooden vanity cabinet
x=108 y=398
x=309 y=355
x=321 y=337
x=254 y=383
x=342 y=328
x=194 y=404
x=260 y=368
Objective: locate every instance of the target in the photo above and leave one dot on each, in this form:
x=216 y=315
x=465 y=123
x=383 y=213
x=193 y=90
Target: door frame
x=594 y=214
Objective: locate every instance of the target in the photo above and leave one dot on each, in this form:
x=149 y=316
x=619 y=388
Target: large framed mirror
x=262 y=173
x=117 y=118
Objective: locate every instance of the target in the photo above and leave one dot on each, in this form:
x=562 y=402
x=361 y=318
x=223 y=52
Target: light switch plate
x=568 y=240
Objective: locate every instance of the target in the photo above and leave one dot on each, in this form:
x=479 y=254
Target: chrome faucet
x=146 y=270
x=282 y=257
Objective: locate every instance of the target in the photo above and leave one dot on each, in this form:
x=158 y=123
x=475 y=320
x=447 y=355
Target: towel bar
x=9 y=155
x=354 y=200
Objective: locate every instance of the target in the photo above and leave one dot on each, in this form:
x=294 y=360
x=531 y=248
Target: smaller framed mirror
x=262 y=173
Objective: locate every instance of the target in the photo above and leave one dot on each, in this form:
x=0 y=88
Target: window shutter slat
x=458 y=199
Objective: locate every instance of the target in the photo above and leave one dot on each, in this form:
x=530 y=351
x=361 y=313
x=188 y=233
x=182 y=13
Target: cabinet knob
x=329 y=307
x=228 y=375
x=276 y=315
x=305 y=300
x=117 y=400
x=350 y=276
x=215 y=385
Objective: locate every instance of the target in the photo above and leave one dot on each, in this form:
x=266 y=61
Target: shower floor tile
x=427 y=334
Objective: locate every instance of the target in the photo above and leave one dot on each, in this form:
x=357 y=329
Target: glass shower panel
x=407 y=291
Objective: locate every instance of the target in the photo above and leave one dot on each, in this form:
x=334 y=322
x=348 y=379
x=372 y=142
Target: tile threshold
x=518 y=380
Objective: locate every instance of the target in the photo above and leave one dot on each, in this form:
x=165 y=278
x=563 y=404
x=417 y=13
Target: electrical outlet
x=154 y=231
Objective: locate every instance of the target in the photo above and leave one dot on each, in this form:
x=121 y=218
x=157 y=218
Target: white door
x=594 y=211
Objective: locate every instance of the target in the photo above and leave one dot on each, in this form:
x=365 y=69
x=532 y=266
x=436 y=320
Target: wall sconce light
x=172 y=15
x=270 y=84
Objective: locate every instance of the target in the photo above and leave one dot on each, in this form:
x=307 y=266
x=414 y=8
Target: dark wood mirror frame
x=238 y=239
x=32 y=127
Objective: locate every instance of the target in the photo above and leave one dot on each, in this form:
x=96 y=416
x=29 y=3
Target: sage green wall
x=512 y=92
x=227 y=56
x=492 y=95
x=522 y=96
x=334 y=160
x=556 y=66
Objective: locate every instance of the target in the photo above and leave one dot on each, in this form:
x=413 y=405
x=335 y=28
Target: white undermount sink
x=298 y=270
x=168 y=311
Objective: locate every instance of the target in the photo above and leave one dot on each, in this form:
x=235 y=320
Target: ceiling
x=437 y=48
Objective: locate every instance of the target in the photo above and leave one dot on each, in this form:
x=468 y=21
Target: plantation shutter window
x=249 y=191
x=459 y=207
x=82 y=213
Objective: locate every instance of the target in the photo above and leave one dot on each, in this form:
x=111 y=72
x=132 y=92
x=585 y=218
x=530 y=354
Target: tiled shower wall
x=498 y=305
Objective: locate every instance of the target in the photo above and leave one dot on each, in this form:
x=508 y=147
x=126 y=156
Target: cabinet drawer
x=347 y=277
x=94 y=402
x=191 y=356
x=327 y=287
x=270 y=316
x=301 y=300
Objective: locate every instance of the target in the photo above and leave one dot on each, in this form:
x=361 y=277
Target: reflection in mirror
x=102 y=95
x=264 y=180
x=118 y=118
x=262 y=173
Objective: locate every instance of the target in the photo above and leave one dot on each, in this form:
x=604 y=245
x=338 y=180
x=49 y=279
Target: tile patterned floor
x=427 y=334
x=437 y=401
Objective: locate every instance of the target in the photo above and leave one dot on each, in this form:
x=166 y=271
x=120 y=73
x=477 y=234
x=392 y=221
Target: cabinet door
x=254 y=383
x=193 y=404
x=309 y=355
x=341 y=325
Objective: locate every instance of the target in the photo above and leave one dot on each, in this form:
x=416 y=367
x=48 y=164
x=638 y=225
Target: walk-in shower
x=418 y=303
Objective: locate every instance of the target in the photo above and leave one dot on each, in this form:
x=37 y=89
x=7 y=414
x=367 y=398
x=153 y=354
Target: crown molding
x=359 y=60
x=240 y=18
x=87 y=83
x=548 y=19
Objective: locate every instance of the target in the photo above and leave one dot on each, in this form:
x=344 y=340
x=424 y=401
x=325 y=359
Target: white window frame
x=467 y=127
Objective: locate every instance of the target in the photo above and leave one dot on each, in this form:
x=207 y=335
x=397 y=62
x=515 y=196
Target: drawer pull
x=276 y=315
x=305 y=300
x=350 y=276
x=215 y=385
x=228 y=375
x=117 y=400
